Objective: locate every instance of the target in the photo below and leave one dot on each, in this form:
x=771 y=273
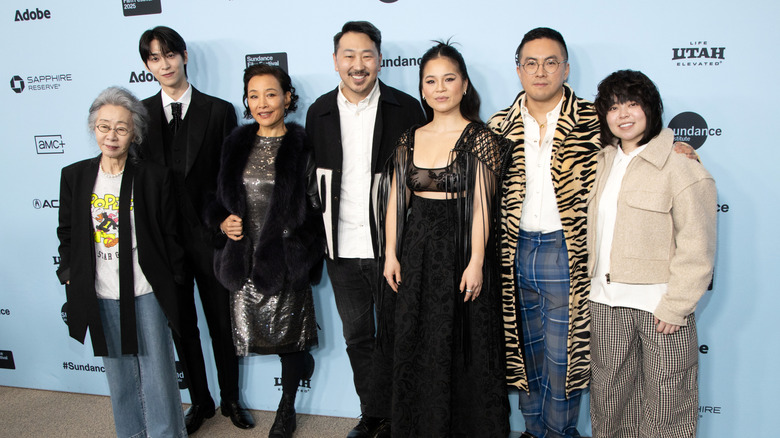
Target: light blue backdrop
x=83 y=47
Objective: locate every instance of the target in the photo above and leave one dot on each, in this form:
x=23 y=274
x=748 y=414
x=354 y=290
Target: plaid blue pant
x=542 y=278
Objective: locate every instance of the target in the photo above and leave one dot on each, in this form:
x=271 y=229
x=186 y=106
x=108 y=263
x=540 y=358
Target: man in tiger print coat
x=544 y=280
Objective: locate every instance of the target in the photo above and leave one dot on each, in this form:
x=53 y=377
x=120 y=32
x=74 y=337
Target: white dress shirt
x=357 y=138
x=540 y=206
x=184 y=100
x=636 y=296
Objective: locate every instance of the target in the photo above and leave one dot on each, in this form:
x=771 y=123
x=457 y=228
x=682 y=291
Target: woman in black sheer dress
x=448 y=372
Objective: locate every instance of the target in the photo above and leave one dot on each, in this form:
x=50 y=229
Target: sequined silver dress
x=266 y=324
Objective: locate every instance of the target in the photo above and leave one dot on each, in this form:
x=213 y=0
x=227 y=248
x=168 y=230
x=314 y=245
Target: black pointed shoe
x=195 y=415
x=238 y=414
x=284 y=423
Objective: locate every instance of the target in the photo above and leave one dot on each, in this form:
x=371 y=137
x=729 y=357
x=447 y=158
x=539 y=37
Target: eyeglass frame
x=557 y=65
x=116 y=129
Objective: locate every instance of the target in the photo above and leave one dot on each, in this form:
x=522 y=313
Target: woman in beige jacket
x=651 y=246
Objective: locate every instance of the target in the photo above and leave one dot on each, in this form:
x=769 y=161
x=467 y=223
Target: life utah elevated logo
x=698 y=54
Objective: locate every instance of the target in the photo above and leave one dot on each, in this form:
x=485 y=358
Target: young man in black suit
x=353 y=130
x=186 y=130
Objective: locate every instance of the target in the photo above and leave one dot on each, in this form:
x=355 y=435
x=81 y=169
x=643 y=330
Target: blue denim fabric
x=144 y=387
x=542 y=276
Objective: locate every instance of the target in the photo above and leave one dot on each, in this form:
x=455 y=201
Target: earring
x=464 y=93
x=423 y=97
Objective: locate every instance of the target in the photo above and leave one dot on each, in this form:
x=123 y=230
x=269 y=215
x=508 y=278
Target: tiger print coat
x=573 y=168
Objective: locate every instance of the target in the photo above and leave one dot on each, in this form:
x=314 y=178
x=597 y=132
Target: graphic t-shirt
x=105 y=225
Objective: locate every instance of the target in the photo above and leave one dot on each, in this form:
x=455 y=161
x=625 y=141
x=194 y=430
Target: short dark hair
x=363 y=27
x=469 y=105
x=537 y=34
x=630 y=86
x=279 y=74
x=169 y=39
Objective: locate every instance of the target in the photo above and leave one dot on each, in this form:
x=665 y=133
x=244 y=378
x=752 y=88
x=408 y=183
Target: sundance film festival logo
x=7 y=360
x=40 y=83
x=49 y=144
x=141 y=7
x=692 y=129
x=400 y=61
x=46 y=203
x=698 y=54
x=276 y=59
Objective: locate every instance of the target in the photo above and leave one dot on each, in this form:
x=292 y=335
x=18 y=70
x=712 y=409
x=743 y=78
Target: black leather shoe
x=284 y=423
x=365 y=428
x=239 y=415
x=195 y=415
x=383 y=430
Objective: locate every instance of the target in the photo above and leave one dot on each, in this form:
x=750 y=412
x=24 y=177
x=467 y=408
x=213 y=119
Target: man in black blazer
x=353 y=130
x=186 y=130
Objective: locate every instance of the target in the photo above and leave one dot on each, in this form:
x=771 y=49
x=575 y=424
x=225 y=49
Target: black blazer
x=210 y=120
x=159 y=254
x=396 y=112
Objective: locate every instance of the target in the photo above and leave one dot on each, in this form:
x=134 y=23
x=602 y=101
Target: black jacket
x=210 y=120
x=396 y=112
x=159 y=254
x=291 y=248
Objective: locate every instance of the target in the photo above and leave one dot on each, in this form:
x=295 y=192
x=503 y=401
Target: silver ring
x=469 y=291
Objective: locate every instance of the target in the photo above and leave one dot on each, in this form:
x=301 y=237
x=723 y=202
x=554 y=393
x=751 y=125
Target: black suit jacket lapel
x=198 y=121
x=155 y=141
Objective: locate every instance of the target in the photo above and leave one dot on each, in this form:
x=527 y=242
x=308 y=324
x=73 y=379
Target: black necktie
x=176 y=119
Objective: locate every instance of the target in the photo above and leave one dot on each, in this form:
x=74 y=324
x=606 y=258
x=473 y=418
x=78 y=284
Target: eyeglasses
x=120 y=130
x=550 y=66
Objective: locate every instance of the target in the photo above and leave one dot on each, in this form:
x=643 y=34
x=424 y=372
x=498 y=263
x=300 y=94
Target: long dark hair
x=469 y=105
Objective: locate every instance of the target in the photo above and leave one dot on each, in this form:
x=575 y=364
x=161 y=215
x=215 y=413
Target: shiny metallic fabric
x=265 y=324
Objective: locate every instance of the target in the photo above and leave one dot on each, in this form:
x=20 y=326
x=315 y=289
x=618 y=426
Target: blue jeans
x=144 y=387
x=542 y=276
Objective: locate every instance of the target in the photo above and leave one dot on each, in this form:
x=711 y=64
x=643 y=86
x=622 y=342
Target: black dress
x=448 y=369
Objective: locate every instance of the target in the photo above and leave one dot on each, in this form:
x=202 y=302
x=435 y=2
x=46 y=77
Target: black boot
x=284 y=423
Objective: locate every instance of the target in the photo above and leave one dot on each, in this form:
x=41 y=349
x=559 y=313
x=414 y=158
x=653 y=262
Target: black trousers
x=215 y=299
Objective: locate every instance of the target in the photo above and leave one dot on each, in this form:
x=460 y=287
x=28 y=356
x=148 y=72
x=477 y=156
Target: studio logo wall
x=141 y=7
x=49 y=144
x=304 y=385
x=400 y=61
x=29 y=15
x=180 y=376
x=7 y=360
x=691 y=128
x=39 y=204
x=276 y=59
x=40 y=83
x=17 y=84
x=698 y=54
x=142 y=76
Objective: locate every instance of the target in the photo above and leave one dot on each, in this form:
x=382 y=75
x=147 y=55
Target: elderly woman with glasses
x=121 y=265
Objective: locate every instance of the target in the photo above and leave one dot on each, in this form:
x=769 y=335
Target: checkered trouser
x=644 y=383
x=542 y=276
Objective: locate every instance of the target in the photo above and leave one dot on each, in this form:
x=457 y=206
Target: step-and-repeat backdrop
x=713 y=61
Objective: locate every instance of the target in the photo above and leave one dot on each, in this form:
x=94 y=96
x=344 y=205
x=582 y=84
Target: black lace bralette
x=442 y=179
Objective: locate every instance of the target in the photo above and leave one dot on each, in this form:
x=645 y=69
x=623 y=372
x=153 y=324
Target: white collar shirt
x=184 y=100
x=540 y=205
x=636 y=296
x=357 y=138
